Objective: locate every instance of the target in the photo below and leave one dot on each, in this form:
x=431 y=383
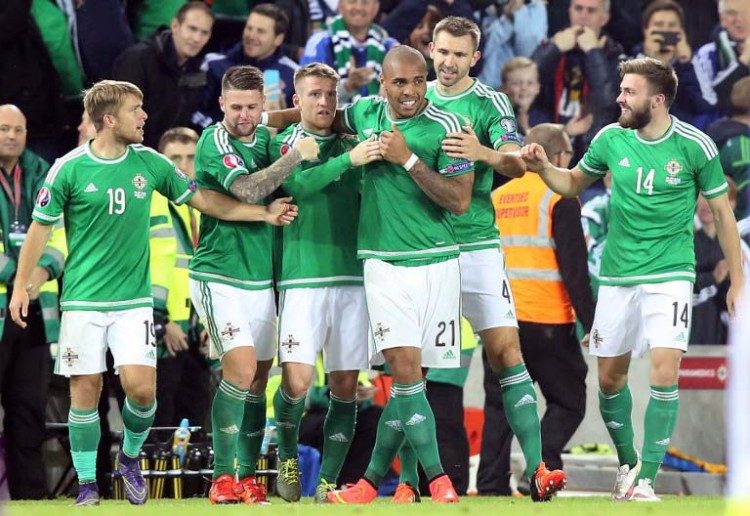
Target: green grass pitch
x=564 y=506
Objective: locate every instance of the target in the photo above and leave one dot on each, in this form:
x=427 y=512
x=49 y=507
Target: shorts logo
x=597 y=339
x=44 y=197
x=510 y=315
x=233 y=161
x=151 y=354
x=455 y=168
x=509 y=124
x=380 y=332
x=448 y=355
x=69 y=357
x=290 y=343
x=230 y=331
x=681 y=337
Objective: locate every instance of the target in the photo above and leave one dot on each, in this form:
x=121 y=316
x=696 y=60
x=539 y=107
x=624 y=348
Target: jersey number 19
x=116 y=201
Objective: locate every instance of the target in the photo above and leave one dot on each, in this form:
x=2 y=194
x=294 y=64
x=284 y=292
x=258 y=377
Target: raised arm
x=568 y=183
x=252 y=188
x=729 y=240
x=31 y=252
x=452 y=193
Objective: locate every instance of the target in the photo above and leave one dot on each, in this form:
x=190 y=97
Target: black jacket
x=171 y=93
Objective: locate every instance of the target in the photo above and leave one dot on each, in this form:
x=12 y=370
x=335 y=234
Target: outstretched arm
x=251 y=188
x=279 y=213
x=568 y=183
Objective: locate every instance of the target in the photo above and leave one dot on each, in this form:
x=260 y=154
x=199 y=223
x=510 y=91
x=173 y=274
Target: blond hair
x=517 y=63
x=320 y=70
x=106 y=97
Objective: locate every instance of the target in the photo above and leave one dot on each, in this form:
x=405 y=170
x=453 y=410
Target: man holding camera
x=582 y=62
x=664 y=39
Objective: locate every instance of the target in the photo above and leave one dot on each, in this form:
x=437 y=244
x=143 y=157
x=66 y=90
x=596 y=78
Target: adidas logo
x=614 y=425
x=663 y=442
x=681 y=337
x=395 y=424
x=150 y=354
x=624 y=162
x=449 y=354
x=91 y=188
x=526 y=399
x=510 y=315
x=339 y=438
x=285 y=424
x=230 y=430
x=415 y=420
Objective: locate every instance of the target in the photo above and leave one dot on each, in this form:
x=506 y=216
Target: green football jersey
x=655 y=184
x=106 y=205
x=595 y=221
x=490 y=114
x=233 y=253
x=398 y=222
x=320 y=245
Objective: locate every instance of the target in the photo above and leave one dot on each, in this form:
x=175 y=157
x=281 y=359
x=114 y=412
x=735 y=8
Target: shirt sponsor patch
x=509 y=124
x=455 y=168
x=233 y=161
x=44 y=197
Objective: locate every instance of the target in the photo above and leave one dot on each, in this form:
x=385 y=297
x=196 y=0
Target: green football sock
x=85 y=430
x=389 y=439
x=616 y=410
x=226 y=418
x=137 y=421
x=520 y=405
x=418 y=423
x=338 y=432
x=659 y=423
x=288 y=412
x=252 y=431
x=409 y=462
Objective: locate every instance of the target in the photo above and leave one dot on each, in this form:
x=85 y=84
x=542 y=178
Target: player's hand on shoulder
x=366 y=152
x=534 y=157
x=308 y=148
x=464 y=145
x=281 y=212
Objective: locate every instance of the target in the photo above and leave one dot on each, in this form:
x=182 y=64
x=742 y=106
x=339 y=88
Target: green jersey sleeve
x=354 y=112
x=173 y=183
x=594 y=162
x=710 y=176
x=221 y=162
x=52 y=197
x=503 y=127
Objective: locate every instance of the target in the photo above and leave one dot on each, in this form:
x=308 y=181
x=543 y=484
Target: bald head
x=12 y=135
x=403 y=55
x=554 y=140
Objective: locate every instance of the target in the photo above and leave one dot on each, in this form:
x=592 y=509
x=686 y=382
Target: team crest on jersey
x=44 y=197
x=673 y=168
x=509 y=124
x=233 y=161
x=140 y=183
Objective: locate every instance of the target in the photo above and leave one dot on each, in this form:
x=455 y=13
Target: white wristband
x=264 y=118
x=411 y=162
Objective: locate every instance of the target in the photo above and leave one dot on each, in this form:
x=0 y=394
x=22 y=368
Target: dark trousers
x=554 y=360
x=311 y=434
x=24 y=380
x=183 y=389
x=447 y=403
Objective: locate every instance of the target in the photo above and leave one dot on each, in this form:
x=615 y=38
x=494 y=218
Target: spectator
x=703 y=18
x=300 y=27
x=595 y=221
x=516 y=30
x=421 y=36
x=354 y=46
x=99 y=48
x=25 y=353
x=520 y=81
x=546 y=262
x=664 y=39
x=182 y=389
x=727 y=57
x=28 y=79
x=86 y=129
x=732 y=137
x=709 y=325
x=581 y=62
x=149 y=15
x=166 y=68
x=261 y=44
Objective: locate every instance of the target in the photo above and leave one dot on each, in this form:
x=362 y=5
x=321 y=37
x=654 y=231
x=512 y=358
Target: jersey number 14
x=646 y=183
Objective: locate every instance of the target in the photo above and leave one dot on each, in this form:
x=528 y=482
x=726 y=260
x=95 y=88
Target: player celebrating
x=659 y=165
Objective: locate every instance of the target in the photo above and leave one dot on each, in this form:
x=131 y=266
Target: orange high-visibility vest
x=523 y=210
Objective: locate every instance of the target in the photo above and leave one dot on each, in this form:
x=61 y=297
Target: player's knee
x=296 y=387
x=142 y=395
x=610 y=382
x=344 y=387
x=664 y=374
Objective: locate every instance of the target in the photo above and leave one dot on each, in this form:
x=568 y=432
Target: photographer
x=664 y=39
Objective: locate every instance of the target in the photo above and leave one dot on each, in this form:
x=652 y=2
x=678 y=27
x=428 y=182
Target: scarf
x=726 y=51
x=343 y=42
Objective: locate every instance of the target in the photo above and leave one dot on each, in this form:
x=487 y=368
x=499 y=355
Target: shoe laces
x=289 y=470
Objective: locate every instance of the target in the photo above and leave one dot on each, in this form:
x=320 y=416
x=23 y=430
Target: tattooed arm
x=451 y=193
x=251 y=188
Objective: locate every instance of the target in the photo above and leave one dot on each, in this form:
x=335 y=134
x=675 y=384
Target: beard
x=637 y=119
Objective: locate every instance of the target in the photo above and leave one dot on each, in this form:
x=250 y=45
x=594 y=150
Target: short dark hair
x=458 y=27
x=189 y=6
x=279 y=17
x=662 y=5
x=741 y=97
x=242 y=78
x=661 y=77
x=182 y=135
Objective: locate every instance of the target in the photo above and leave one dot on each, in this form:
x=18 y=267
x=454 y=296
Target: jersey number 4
x=646 y=183
x=116 y=201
